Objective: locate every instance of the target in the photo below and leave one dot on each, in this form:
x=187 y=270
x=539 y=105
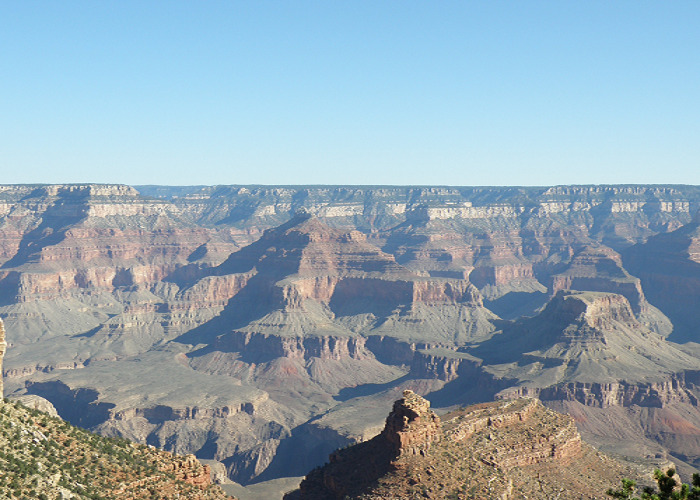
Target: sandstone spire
x=411 y=426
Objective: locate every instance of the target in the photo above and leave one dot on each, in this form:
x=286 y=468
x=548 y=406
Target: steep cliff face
x=623 y=393
x=512 y=449
x=669 y=268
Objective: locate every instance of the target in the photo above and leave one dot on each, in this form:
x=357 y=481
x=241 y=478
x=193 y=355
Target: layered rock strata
x=586 y=337
x=599 y=269
x=412 y=427
x=669 y=268
x=510 y=449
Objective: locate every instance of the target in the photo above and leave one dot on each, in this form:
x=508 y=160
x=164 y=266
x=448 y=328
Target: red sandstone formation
x=190 y=470
x=509 y=449
x=411 y=427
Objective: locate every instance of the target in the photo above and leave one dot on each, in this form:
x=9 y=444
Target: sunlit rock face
x=507 y=449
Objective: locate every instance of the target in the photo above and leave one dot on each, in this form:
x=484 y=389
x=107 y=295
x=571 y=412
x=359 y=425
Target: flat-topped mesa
x=412 y=427
x=90 y=190
x=600 y=311
x=596 y=309
x=599 y=269
x=3 y=346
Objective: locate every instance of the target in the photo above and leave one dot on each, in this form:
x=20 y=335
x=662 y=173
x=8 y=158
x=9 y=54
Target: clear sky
x=350 y=92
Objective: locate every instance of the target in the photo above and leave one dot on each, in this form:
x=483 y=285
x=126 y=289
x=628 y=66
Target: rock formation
x=189 y=470
x=590 y=339
x=34 y=402
x=599 y=269
x=411 y=427
x=509 y=449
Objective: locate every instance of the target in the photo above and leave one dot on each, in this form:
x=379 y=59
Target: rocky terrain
x=45 y=457
x=509 y=449
x=260 y=328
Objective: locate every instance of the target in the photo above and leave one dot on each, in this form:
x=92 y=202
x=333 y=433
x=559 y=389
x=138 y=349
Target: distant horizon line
x=259 y=185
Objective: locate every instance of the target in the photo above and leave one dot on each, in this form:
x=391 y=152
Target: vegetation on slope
x=46 y=458
x=669 y=488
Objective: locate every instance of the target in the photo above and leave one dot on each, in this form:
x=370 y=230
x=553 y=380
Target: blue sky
x=350 y=92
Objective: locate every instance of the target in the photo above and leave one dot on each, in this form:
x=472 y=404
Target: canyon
x=261 y=328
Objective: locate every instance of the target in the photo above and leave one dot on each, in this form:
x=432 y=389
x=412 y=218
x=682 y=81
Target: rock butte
x=509 y=449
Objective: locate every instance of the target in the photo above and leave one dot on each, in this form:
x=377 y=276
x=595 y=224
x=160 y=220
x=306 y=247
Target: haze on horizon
x=399 y=93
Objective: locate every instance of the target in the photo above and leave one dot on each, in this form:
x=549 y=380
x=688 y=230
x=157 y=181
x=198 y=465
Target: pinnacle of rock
x=492 y=450
x=411 y=426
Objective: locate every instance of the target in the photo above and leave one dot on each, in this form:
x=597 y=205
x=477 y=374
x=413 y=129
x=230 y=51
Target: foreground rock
x=510 y=449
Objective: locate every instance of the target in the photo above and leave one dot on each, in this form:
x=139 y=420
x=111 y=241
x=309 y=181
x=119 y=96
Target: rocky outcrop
x=462 y=425
x=190 y=470
x=411 y=427
x=508 y=449
x=558 y=439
